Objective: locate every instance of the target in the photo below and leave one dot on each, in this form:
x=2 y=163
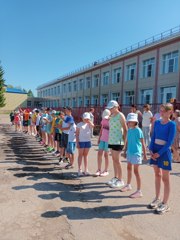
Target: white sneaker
x=80 y=173
x=113 y=180
x=118 y=184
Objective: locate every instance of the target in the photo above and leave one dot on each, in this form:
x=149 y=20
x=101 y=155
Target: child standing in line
x=163 y=134
x=134 y=146
x=17 y=121
x=83 y=140
x=103 y=144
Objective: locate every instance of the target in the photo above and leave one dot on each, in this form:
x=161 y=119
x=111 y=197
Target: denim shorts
x=103 y=146
x=134 y=159
x=71 y=147
x=85 y=144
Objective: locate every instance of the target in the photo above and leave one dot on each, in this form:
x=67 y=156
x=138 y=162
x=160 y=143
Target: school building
x=146 y=72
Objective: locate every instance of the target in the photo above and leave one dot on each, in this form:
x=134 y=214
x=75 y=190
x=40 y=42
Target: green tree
x=2 y=89
x=30 y=93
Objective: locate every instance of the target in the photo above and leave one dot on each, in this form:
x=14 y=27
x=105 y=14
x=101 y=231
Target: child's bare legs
x=106 y=156
x=158 y=177
x=85 y=154
x=129 y=173
x=80 y=156
x=138 y=178
x=99 y=160
x=116 y=164
x=166 y=181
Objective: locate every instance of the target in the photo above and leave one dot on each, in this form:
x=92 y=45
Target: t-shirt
x=84 y=132
x=38 y=120
x=26 y=116
x=105 y=130
x=67 y=121
x=134 y=147
x=58 y=122
x=72 y=133
x=146 y=119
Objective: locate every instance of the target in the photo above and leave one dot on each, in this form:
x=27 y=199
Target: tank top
x=115 y=131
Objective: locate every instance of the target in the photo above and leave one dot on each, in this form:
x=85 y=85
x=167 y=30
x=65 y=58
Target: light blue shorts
x=71 y=147
x=134 y=159
x=103 y=146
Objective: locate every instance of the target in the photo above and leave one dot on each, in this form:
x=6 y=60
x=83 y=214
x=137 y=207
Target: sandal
x=69 y=166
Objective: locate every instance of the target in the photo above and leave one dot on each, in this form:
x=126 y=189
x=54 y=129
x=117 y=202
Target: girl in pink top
x=103 y=144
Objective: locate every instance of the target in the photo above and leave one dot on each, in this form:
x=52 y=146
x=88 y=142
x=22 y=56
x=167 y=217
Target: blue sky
x=41 y=40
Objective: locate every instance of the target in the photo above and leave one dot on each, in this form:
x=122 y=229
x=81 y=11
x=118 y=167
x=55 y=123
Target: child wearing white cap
x=83 y=140
x=103 y=144
x=134 y=146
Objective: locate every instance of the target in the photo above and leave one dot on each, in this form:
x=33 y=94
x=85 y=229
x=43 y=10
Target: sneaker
x=137 y=194
x=104 y=174
x=117 y=184
x=162 y=208
x=80 y=174
x=154 y=204
x=126 y=188
x=61 y=160
x=58 y=154
x=54 y=152
x=113 y=180
x=87 y=173
x=98 y=173
x=66 y=160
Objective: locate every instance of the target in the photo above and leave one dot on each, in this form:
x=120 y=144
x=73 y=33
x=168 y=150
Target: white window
x=146 y=96
x=117 y=75
x=74 y=102
x=148 y=68
x=170 y=62
x=130 y=70
x=129 y=97
x=104 y=99
x=105 y=81
x=80 y=102
x=167 y=93
x=75 y=86
x=81 y=84
x=88 y=82
x=96 y=81
x=95 y=100
x=116 y=96
x=86 y=101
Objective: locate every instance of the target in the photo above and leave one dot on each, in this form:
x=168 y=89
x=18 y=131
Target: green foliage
x=30 y=93
x=2 y=89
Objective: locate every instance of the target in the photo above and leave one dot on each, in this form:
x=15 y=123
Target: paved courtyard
x=40 y=201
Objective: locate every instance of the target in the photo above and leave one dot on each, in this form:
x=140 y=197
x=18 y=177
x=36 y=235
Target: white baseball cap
x=53 y=112
x=132 y=117
x=112 y=104
x=106 y=113
x=86 y=115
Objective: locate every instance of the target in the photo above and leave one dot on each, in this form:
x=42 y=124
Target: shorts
x=57 y=137
x=134 y=159
x=43 y=128
x=48 y=129
x=103 y=146
x=64 y=140
x=25 y=123
x=85 y=144
x=164 y=161
x=116 y=147
x=71 y=147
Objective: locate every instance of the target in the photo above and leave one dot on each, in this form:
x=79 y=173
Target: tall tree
x=30 y=93
x=2 y=89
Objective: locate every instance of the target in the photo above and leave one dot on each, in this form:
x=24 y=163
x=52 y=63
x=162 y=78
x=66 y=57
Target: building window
x=130 y=72
x=104 y=99
x=55 y=91
x=80 y=102
x=129 y=97
x=95 y=100
x=69 y=87
x=105 y=81
x=116 y=96
x=117 y=75
x=69 y=102
x=64 y=88
x=146 y=96
x=74 y=102
x=86 y=101
x=52 y=92
x=170 y=62
x=28 y=103
x=81 y=84
x=58 y=90
x=96 y=81
x=75 y=86
x=167 y=93
x=148 y=68
x=64 y=102
x=88 y=82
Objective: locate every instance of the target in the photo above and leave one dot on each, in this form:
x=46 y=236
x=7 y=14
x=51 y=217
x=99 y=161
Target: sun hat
x=106 y=113
x=132 y=117
x=112 y=104
x=86 y=115
x=53 y=112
